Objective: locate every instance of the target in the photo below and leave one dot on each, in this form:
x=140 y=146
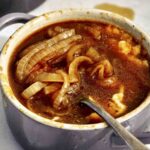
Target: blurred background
x=136 y=10
x=7 y=6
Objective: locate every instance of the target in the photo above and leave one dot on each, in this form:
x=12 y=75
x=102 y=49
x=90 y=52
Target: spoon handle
x=130 y=139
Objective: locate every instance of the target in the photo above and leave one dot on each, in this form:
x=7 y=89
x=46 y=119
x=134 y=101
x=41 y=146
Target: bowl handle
x=13 y=18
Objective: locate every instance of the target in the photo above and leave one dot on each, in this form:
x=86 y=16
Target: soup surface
x=55 y=66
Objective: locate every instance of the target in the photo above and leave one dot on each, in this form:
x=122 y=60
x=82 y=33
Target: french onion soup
x=54 y=66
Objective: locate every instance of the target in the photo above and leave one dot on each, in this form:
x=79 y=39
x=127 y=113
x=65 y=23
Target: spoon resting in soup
x=52 y=67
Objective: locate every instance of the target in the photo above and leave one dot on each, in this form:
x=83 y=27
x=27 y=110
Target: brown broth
x=134 y=78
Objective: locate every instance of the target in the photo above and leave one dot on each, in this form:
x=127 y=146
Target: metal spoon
x=129 y=138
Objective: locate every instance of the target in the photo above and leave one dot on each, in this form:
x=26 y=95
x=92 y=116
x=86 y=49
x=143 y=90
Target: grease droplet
x=123 y=11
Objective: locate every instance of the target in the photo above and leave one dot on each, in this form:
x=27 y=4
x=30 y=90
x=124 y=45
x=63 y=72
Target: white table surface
x=142 y=18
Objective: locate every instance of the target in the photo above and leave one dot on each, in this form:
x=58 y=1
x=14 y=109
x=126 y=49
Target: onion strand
x=73 y=68
x=33 y=49
x=53 y=52
x=33 y=89
x=61 y=98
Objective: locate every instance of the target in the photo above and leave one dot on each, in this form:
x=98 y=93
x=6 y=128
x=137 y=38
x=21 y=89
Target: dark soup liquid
x=52 y=68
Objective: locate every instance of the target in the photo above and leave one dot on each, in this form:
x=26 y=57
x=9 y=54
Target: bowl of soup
x=54 y=59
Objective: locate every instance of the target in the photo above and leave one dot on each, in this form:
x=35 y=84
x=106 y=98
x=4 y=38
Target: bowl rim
x=11 y=97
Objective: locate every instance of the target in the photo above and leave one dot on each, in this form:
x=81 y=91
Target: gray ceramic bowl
x=36 y=132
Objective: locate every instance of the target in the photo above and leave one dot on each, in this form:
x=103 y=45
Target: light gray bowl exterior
x=32 y=134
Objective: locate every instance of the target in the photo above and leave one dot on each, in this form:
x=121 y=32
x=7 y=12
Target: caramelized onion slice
x=60 y=29
x=52 y=88
x=117 y=99
x=54 y=51
x=109 y=82
x=136 y=50
x=57 y=55
x=35 y=47
x=93 y=118
x=100 y=69
x=75 y=50
x=33 y=89
x=61 y=99
x=93 y=54
x=32 y=50
x=32 y=77
x=51 y=32
x=104 y=69
x=104 y=72
x=108 y=67
x=49 y=77
x=49 y=42
x=138 y=62
x=73 y=68
x=124 y=47
x=94 y=30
